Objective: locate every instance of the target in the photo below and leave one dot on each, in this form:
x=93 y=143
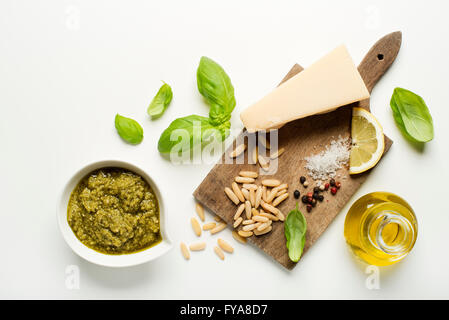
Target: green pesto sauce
x=114 y=211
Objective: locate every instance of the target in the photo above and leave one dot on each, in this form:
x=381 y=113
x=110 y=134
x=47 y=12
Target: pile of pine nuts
x=213 y=228
x=259 y=203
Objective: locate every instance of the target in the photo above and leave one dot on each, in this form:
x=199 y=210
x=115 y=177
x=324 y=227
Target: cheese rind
x=331 y=82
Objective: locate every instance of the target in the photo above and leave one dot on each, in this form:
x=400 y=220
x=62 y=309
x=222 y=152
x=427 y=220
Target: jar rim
x=404 y=244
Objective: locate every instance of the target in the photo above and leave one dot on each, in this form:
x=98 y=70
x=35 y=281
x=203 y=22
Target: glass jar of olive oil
x=381 y=228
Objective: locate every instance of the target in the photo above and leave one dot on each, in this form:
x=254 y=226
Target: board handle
x=379 y=59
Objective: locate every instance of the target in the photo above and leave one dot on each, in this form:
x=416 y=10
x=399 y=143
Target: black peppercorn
x=321 y=198
x=316 y=189
x=315 y=195
x=332 y=183
x=305 y=199
x=302 y=179
x=296 y=194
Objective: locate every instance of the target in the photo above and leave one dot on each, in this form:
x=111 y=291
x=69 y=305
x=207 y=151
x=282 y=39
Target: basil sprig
x=160 y=102
x=216 y=88
x=295 y=228
x=412 y=115
x=129 y=129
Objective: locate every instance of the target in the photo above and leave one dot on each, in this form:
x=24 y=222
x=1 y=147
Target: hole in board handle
x=380 y=57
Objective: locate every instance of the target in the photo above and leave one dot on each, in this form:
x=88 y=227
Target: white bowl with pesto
x=111 y=260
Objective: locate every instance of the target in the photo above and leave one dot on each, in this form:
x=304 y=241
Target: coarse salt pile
x=324 y=165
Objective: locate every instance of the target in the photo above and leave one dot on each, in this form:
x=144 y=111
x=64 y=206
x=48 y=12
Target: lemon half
x=368 y=142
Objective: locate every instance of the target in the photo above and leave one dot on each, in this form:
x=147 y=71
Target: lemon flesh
x=367 y=141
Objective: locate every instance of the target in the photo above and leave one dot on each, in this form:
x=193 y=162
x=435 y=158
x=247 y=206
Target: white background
x=67 y=67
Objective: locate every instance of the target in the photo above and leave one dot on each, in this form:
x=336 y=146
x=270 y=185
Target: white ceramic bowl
x=93 y=256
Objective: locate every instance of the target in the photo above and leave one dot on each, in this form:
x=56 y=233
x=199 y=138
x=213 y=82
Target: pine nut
x=282 y=186
x=246 y=222
x=280 y=215
x=225 y=246
x=277 y=154
x=200 y=211
x=263 y=226
x=209 y=226
x=248 y=209
x=231 y=195
x=271 y=182
x=266 y=230
x=281 y=192
x=249 y=174
x=219 y=252
x=255 y=155
x=238 y=222
x=238 y=151
x=272 y=194
x=220 y=226
x=254 y=212
x=260 y=218
x=238 y=237
x=245 y=234
x=239 y=211
x=264 y=193
x=250 y=186
x=217 y=218
x=252 y=197
x=270 y=216
x=258 y=197
x=196 y=226
x=197 y=246
x=245 y=193
x=279 y=199
x=244 y=180
x=237 y=192
x=185 y=251
x=250 y=227
x=271 y=209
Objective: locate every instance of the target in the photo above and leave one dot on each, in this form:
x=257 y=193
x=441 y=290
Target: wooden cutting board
x=302 y=138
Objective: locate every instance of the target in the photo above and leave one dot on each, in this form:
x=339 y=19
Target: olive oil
x=381 y=228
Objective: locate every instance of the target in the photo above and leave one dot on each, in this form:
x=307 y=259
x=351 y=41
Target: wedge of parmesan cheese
x=331 y=82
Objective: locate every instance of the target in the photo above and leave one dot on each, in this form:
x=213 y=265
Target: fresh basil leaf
x=160 y=102
x=129 y=129
x=295 y=228
x=190 y=131
x=187 y=132
x=412 y=115
x=216 y=87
